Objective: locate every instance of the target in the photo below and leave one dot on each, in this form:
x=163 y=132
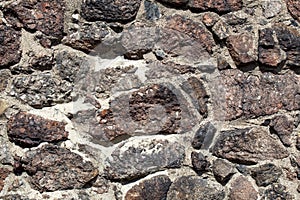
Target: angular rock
x=266 y=38
x=4 y=173
x=108 y=10
x=194 y=187
x=28 y=130
x=155 y=188
x=5 y=76
x=278 y=191
x=223 y=171
x=242 y=189
x=151 y=10
x=42 y=15
x=266 y=174
x=248 y=146
x=10 y=40
x=40 y=90
x=242 y=48
x=175 y=2
x=142 y=158
x=204 y=135
x=53 y=168
x=209 y=19
x=199 y=162
x=270 y=57
x=283 y=127
x=271 y=8
x=219 y=6
x=6 y=157
x=294 y=8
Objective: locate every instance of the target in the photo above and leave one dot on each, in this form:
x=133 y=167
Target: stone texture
x=219 y=6
x=242 y=48
x=155 y=188
x=193 y=187
x=271 y=57
x=6 y=157
x=242 y=189
x=40 y=90
x=151 y=10
x=142 y=158
x=294 y=8
x=53 y=168
x=223 y=171
x=248 y=146
x=199 y=162
x=175 y=2
x=42 y=15
x=221 y=30
x=29 y=130
x=4 y=173
x=271 y=8
x=10 y=40
x=283 y=127
x=266 y=174
x=277 y=191
x=5 y=77
x=203 y=136
x=108 y=10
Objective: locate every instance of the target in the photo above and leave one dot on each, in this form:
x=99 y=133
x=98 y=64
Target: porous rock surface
x=149 y=99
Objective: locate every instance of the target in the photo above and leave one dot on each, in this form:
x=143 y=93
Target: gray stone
x=199 y=162
x=223 y=171
x=266 y=174
x=283 y=127
x=278 y=191
x=204 y=135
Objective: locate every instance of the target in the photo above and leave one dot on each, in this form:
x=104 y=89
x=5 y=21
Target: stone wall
x=145 y=99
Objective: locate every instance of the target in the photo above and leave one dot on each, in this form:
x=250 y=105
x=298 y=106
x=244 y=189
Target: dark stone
x=242 y=189
x=204 y=136
x=270 y=57
x=14 y=197
x=4 y=173
x=10 y=40
x=152 y=10
x=29 y=130
x=5 y=77
x=283 y=127
x=219 y=6
x=277 y=191
x=266 y=37
x=175 y=3
x=294 y=8
x=223 y=171
x=53 y=168
x=108 y=10
x=42 y=15
x=155 y=188
x=199 y=162
x=266 y=174
x=248 y=146
x=142 y=158
x=194 y=187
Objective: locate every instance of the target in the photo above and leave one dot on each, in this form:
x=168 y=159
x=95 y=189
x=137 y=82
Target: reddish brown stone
x=210 y=18
x=271 y=57
x=242 y=48
x=223 y=170
x=283 y=127
x=3 y=175
x=199 y=162
x=46 y=16
x=10 y=41
x=192 y=29
x=155 y=188
x=242 y=189
x=219 y=6
x=29 y=130
x=175 y=2
x=294 y=8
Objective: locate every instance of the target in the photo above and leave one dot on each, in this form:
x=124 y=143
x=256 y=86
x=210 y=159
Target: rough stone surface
x=283 y=127
x=193 y=187
x=199 y=162
x=271 y=57
x=155 y=188
x=144 y=157
x=203 y=135
x=294 y=7
x=222 y=170
x=5 y=77
x=4 y=173
x=121 y=11
x=218 y=6
x=266 y=174
x=53 y=168
x=29 y=130
x=242 y=189
x=248 y=146
x=277 y=191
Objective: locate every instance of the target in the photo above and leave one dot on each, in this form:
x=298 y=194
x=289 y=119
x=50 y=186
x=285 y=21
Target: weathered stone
x=39 y=90
x=242 y=189
x=248 y=146
x=219 y=6
x=277 y=191
x=210 y=18
x=242 y=48
x=10 y=40
x=204 y=136
x=42 y=15
x=53 y=168
x=223 y=171
x=298 y=142
x=5 y=152
x=4 y=173
x=142 y=158
x=266 y=37
x=86 y=36
x=294 y=8
x=193 y=187
x=193 y=29
x=29 y=130
x=221 y=30
x=108 y=10
x=151 y=10
x=266 y=174
x=15 y=197
x=283 y=127
x=199 y=162
x=222 y=63
x=5 y=76
x=175 y=2
x=155 y=188
x=271 y=8
x=270 y=57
